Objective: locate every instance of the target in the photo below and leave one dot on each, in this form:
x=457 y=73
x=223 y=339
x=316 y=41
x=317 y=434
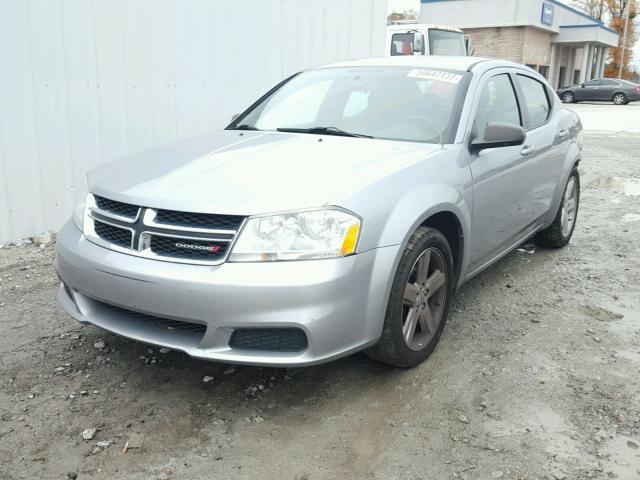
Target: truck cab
x=425 y=39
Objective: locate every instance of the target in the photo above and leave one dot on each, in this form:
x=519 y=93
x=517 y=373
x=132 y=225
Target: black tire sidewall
x=431 y=239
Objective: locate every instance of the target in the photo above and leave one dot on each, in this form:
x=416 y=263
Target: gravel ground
x=537 y=375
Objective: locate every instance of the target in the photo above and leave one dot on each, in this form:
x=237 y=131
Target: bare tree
x=595 y=8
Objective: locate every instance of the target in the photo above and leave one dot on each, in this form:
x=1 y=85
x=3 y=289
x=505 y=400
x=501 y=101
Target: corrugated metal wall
x=86 y=81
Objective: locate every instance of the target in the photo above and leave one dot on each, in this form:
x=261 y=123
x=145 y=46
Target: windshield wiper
x=244 y=126
x=324 y=131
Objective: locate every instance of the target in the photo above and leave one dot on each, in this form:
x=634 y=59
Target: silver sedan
x=339 y=213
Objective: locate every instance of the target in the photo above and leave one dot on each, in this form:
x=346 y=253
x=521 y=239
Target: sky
x=402 y=5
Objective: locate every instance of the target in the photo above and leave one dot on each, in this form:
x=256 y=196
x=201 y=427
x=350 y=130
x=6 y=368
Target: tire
x=619 y=98
x=568 y=97
x=556 y=235
x=430 y=246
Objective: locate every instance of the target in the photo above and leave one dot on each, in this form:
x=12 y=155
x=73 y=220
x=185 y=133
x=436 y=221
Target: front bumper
x=339 y=304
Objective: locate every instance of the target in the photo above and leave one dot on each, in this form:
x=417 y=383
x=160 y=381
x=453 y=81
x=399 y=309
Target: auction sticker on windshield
x=435 y=75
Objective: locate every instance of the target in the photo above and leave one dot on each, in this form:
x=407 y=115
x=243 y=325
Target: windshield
x=445 y=42
x=382 y=102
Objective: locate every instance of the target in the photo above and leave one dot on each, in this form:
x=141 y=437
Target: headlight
x=309 y=235
x=79 y=204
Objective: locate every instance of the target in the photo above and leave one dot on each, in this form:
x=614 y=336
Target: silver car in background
x=339 y=213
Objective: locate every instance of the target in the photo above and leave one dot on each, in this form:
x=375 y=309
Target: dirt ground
x=537 y=374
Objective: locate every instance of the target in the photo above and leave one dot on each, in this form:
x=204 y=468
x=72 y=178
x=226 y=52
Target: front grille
x=118 y=208
x=183 y=237
x=190 y=249
x=115 y=235
x=198 y=220
x=269 y=339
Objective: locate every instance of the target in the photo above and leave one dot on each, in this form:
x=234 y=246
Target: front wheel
x=419 y=301
x=568 y=97
x=559 y=233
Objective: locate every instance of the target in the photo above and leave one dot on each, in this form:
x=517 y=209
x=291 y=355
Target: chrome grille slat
x=141 y=235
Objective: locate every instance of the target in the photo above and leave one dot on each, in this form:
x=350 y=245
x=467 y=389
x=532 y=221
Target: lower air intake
x=269 y=339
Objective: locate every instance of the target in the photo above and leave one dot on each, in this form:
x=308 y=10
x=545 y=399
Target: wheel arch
x=448 y=223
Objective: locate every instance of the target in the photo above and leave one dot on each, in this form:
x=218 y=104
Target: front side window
x=593 y=83
x=394 y=103
x=535 y=99
x=445 y=42
x=497 y=104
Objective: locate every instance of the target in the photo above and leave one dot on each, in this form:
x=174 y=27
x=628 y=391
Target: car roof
x=460 y=63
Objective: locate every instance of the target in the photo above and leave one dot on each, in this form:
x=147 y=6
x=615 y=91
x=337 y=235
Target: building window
x=533 y=67
x=544 y=70
x=576 y=77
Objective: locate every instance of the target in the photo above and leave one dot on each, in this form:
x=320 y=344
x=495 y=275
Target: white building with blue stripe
x=564 y=44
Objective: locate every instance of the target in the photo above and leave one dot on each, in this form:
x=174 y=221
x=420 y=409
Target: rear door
x=607 y=89
x=547 y=142
x=502 y=177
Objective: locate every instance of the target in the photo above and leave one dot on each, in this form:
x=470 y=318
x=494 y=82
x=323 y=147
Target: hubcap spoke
x=410 y=294
x=409 y=328
x=423 y=268
x=427 y=321
x=435 y=282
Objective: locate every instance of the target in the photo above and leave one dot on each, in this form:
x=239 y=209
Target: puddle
x=624 y=456
x=631 y=217
x=628 y=186
x=601 y=314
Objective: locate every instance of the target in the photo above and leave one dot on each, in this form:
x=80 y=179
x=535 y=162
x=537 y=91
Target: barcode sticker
x=435 y=75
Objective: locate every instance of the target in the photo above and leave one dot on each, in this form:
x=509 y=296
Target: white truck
x=425 y=39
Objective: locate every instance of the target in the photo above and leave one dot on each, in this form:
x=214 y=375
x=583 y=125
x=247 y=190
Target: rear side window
x=609 y=83
x=497 y=104
x=535 y=99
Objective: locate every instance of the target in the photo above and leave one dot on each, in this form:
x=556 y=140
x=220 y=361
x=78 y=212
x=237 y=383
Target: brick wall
x=537 y=47
x=506 y=43
x=518 y=44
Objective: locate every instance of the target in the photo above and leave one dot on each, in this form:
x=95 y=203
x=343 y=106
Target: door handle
x=527 y=149
x=563 y=133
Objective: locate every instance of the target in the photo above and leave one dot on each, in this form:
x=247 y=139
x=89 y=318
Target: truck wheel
x=419 y=301
x=559 y=233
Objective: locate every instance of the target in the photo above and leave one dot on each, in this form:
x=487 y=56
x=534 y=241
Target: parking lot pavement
x=536 y=376
x=606 y=117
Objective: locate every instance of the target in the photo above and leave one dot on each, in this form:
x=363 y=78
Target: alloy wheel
x=424 y=299
x=619 y=99
x=569 y=207
x=567 y=97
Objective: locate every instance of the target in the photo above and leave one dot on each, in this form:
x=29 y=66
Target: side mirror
x=582 y=85
x=497 y=135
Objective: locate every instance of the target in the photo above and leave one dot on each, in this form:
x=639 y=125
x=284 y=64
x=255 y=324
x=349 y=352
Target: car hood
x=248 y=173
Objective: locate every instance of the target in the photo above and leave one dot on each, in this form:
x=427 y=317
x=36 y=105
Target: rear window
x=535 y=99
x=445 y=42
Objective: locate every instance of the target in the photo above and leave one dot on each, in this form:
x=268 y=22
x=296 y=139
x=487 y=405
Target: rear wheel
x=559 y=233
x=620 y=99
x=419 y=301
x=568 y=97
